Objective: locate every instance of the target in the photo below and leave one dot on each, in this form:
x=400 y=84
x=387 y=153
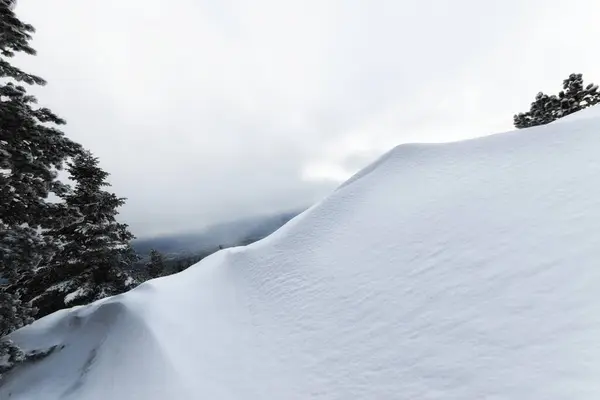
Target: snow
x=59 y=287
x=590 y=112
x=71 y=297
x=466 y=270
x=129 y=281
x=5 y=361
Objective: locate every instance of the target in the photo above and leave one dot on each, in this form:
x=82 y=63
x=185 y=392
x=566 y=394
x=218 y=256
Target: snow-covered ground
x=467 y=270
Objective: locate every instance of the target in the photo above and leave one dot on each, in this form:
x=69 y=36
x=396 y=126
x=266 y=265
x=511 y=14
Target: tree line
x=158 y=265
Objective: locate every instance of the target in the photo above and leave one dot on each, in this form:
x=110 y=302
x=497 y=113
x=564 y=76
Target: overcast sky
x=209 y=110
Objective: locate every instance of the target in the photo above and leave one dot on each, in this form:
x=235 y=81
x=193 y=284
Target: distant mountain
x=227 y=234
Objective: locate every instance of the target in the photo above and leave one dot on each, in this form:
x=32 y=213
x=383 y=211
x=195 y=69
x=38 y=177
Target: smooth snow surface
x=590 y=112
x=468 y=270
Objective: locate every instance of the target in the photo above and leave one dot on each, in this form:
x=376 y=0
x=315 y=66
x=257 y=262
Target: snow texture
x=459 y=271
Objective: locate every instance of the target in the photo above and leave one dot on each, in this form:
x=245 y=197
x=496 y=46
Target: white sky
x=209 y=110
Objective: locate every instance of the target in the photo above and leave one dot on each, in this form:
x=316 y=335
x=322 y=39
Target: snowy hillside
x=467 y=270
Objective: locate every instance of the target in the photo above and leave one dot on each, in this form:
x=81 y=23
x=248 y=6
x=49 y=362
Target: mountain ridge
x=461 y=270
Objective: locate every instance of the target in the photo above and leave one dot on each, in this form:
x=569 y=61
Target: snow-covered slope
x=591 y=112
x=467 y=270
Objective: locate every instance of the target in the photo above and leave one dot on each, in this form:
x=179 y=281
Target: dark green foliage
x=180 y=266
x=13 y=313
x=92 y=247
x=32 y=150
x=156 y=265
x=171 y=264
x=547 y=108
x=181 y=263
x=14 y=34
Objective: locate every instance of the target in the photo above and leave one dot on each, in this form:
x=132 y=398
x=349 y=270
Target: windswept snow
x=466 y=270
x=590 y=112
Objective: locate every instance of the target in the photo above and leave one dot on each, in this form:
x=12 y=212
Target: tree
x=93 y=249
x=180 y=266
x=32 y=150
x=156 y=265
x=13 y=315
x=22 y=249
x=547 y=108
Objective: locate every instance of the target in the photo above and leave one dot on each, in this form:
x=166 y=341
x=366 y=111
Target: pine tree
x=156 y=265
x=93 y=248
x=22 y=250
x=32 y=150
x=547 y=108
x=575 y=97
x=179 y=266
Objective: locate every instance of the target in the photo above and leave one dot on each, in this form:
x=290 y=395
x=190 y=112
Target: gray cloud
x=206 y=110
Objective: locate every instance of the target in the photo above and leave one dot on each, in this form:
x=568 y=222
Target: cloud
x=205 y=110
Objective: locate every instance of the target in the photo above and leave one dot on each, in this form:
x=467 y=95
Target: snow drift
x=467 y=270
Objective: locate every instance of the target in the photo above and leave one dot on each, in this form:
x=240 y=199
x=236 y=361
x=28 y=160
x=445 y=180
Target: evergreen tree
x=547 y=108
x=22 y=250
x=181 y=266
x=93 y=249
x=156 y=265
x=575 y=97
x=32 y=150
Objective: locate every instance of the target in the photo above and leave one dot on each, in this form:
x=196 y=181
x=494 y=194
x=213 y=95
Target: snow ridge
x=456 y=271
